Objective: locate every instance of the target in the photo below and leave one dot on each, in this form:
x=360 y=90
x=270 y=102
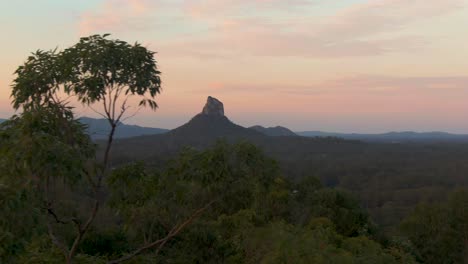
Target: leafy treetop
x=94 y=69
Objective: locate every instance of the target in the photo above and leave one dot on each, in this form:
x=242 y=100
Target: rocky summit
x=213 y=107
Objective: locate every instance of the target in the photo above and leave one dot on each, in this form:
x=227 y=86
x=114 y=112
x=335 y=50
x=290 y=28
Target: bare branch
x=50 y=229
x=122 y=110
x=97 y=112
x=56 y=241
x=84 y=229
x=161 y=242
x=51 y=212
x=104 y=101
x=132 y=115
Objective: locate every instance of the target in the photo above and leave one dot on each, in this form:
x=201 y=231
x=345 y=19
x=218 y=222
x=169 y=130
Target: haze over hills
x=393 y=137
x=213 y=123
x=99 y=129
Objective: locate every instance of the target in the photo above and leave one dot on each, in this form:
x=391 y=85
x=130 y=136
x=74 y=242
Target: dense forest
x=190 y=197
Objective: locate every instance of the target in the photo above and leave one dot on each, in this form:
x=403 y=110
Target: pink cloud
x=227 y=29
x=117 y=15
x=210 y=9
x=364 y=84
x=365 y=29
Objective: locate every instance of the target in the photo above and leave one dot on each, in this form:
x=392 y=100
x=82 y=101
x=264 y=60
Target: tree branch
x=56 y=241
x=172 y=233
x=97 y=112
x=82 y=230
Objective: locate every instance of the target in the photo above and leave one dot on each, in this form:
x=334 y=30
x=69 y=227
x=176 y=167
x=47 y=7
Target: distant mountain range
x=393 y=137
x=212 y=122
x=99 y=129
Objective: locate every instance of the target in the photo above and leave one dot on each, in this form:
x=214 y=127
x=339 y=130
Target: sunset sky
x=330 y=65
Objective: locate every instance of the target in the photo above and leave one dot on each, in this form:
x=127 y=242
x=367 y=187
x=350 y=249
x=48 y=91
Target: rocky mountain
x=99 y=129
x=274 y=131
x=205 y=128
x=212 y=123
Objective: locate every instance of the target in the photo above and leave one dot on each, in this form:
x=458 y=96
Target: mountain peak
x=213 y=107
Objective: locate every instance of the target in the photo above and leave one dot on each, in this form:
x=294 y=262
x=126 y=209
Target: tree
x=225 y=179
x=439 y=231
x=95 y=70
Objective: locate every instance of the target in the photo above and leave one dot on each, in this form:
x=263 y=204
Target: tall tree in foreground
x=45 y=143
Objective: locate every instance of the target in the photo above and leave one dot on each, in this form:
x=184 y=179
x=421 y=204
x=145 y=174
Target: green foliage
x=39 y=146
x=439 y=231
x=92 y=69
x=241 y=175
x=45 y=143
x=257 y=218
x=21 y=219
x=96 y=64
x=106 y=243
x=45 y=150
x=279 y=242
x=235 y=177
x=41 y=251
x=38 y=80
x=312 y=201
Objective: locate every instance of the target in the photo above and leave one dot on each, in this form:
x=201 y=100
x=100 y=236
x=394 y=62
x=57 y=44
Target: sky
x=333 y=65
